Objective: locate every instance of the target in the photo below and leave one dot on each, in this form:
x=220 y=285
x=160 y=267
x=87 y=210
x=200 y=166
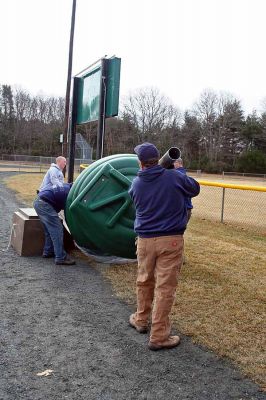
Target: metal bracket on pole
x=102 y=104
x=72 y=146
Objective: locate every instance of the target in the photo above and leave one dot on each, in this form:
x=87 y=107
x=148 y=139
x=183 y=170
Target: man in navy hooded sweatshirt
x=159 y=196
x=51 y=199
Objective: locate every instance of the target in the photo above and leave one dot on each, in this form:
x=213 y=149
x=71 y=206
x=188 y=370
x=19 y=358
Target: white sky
x=179 y=46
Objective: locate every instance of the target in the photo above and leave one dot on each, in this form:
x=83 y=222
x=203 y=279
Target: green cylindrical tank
x=99 y=211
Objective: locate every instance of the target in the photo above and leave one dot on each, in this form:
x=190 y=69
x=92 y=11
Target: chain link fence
x=240 y=175
x=241 y=205
x=24 y=163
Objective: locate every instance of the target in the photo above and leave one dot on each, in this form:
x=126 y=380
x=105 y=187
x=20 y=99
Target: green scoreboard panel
x=89 y=92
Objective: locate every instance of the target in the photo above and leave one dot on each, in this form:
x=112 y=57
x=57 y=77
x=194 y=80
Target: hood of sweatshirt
x=151 y=173
x=181 y=169
x=55 y=166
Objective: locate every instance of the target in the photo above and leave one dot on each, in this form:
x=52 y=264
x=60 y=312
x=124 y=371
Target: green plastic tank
x=99 y=212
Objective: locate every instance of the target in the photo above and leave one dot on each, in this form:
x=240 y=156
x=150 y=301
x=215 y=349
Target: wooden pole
x=69 y=74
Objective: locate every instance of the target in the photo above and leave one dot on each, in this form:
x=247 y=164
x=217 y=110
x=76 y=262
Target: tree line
x=29 y=124
x=214 y=135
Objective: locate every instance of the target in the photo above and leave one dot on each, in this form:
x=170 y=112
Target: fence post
x=198 y=172
x=222 y=213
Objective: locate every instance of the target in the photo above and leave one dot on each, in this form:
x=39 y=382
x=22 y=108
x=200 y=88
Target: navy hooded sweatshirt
x=56 y=197
x=160 y=196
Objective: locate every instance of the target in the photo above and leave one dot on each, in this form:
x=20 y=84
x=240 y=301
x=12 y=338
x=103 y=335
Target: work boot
x=51 y=255
x=139 y=328
x=169 y=343
x=66 y=261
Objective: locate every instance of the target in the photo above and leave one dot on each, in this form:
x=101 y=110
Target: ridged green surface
x=99 y=211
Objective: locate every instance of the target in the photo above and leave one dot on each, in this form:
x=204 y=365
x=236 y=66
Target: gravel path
x=68 y=319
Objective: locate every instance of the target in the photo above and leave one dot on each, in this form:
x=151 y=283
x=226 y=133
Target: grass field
x=25 y=185
x=221 y=301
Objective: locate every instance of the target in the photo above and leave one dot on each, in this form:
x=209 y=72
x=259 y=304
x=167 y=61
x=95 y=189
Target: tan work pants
x=159 y=264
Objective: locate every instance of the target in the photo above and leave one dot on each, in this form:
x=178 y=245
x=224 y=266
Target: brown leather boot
x=169 y=343
x=139 y=328
x=66 y=261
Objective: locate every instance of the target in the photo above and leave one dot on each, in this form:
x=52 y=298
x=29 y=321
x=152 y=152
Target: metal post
x=69 y=73
x=222 y=213
x=102 y=102
x=71 y=160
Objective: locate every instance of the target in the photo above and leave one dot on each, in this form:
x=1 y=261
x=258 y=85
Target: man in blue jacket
x=51 y=199
x=54 y=176
x=159 y=196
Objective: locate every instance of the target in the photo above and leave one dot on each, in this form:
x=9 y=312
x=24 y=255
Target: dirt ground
x=67 y=319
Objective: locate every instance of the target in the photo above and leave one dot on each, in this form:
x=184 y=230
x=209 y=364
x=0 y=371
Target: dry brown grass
x=221 y=298
x=25 y=185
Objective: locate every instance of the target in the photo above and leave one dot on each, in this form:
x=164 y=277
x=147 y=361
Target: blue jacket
x=188 y=199
x=56 y=197
x=159 y=196
x=53 y=178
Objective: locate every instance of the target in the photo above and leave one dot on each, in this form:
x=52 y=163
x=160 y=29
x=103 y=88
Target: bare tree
x=206 y=110
x=150 y=113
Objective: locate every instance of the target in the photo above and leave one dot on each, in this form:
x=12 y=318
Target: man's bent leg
x=48 y=249
x=50 y=219
x=145 y=279
x=41 y=209
x=168 y=265
x=55 y=229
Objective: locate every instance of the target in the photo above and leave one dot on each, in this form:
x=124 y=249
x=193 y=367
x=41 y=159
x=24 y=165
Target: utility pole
x=69 y=74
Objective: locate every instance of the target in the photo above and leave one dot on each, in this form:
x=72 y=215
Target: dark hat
x=146 y=151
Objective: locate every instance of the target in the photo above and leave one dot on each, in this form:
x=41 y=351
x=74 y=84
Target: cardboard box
x=27 y=236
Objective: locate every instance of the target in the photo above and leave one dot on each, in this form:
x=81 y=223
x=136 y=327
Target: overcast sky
x=179 y=46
